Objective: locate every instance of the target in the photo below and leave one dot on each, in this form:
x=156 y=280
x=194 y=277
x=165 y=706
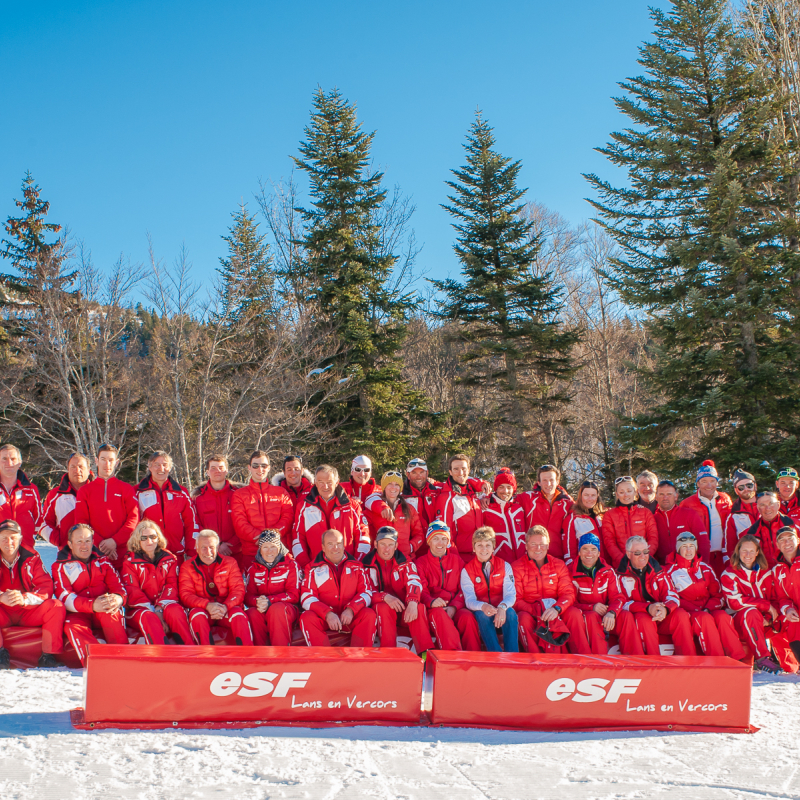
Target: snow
x=42 y=756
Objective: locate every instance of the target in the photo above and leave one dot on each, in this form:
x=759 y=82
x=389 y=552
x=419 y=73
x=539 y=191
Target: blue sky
x=159 y=117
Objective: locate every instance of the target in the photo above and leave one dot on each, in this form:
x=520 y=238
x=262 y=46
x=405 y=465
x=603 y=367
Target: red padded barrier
x=567 y=692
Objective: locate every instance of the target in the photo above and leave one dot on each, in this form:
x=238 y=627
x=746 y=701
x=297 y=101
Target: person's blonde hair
x=484 y=534
x=537 y=530
x=207 y=533
x=135 y=540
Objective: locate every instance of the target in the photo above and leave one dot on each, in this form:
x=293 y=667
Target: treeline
x=663 y=332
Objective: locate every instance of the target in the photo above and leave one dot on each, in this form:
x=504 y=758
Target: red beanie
x=709 y=463
x=505 y=476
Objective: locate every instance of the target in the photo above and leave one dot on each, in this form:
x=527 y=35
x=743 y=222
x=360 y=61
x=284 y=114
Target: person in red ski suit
x=627 y=519
x=766 y=527
x=273 y=592
x=458 y=505
x=787 y=586
x=336 y=595
x=58 y=512
x=585 y=516
x=295 y=480
x=210 y=586
x=92 y=592
x=506 y=517
x=19 y=498
x=743 y=513
x=672 y=520
x=406 y=520
x=421 y=491
x=26 y=596
x=787 y=484
x=213 y=506
x=548 y=504
x=150 y=578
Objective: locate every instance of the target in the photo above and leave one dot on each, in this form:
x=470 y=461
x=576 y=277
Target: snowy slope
x=41 y=756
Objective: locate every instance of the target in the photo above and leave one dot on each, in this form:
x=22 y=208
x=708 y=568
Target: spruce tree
x=507 y=317
x=703 y=241
x=349 y=279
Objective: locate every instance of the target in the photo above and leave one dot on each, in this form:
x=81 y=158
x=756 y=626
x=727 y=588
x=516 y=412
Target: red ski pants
x=630 y=643
x=459 y=633
x=81 y=629
x=677 y=625
x=274 y=626
x=175 y=622
x=49 y=616
x=387 y=627
x=361 y=629
x=235 y=620
x=571 y=617
x=716 y=634
x=750 y=623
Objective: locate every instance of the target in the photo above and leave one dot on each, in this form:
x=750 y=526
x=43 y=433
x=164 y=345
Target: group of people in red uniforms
x=453 y=565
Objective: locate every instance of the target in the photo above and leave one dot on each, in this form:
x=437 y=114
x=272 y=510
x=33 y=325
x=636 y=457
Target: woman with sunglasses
x=150 y=577
x=750 y=591
x=585 y=516
x=406 y=520
x=627 y=519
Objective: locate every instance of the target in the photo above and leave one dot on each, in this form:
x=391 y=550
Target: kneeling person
x=211 y=587
x=336 y=595
x=26 y=596
x=396 y=590
x=273 y=592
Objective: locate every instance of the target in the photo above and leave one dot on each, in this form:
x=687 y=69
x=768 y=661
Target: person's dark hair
x=548 y=468
x=288 y=459
x=458 y=457
x=258 y=454
x=110 y=448
x=217 y=457
x=597 y=509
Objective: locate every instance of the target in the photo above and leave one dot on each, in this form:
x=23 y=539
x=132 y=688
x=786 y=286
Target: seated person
x=150 y=577
x=787 y=585
x=396 y=590
x=487 y=583
x=211 y=587
x=598 y=599
x=548 y=618
x=336 y=595
x=273 y=592
x=26 y=596
x=649 y=596
x=91 y=590
x=440 y=568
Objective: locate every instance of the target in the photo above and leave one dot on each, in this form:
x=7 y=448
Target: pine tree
x=348 y=273
x=507 y=316
x=703 y=241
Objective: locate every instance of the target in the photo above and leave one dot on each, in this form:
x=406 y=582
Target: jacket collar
x=340 y=497
x=371 y=557
x=65 y=554
x=625 y=566
x=149 y=483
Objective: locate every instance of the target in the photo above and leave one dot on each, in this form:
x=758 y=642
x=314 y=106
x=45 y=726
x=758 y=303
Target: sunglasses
x=789 y=473
x=259 y=466
x=148 y=537
x=640 y=552
x=361 y=469
x=548 y=468
x=623 y=479
x=749 y=485
x=766 y=494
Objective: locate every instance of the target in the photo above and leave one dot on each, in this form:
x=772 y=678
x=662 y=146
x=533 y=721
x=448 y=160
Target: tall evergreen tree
x=507 y=316
x=350 y=274
x=703 y=245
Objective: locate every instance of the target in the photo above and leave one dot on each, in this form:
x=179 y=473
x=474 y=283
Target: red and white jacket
x=367 y=493
x=315 y=516
x=109 y=508
x=423 y=500
x=575 y=526
x=507 y=520
x=78 y=584
x=398 y=577
x=441 y=578
x=214 y=512
x=766 y=533
x=590 y=589
x=22 y=504
x=459 y=507
x=722 y=505
x=279 y=583
x=748 y=588
x=540 y=511
x=786 y=579
x=150 y=584
x=791 y=508
x=296 y=493
x=637 y=592
x=741 y=517
x=328 y=587
x=695 y=584
x=171 y=508
x=499 y=588
x=26 y=574
x=408 y=526
x=58 y=514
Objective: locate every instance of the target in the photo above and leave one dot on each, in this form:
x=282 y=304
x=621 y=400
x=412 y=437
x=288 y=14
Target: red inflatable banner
x=566 y=692
x=167 y=686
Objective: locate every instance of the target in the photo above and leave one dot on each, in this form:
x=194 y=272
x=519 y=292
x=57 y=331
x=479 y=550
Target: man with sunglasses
x=421 y=491
x=364 y=488
x=260 y=506
x=672 y=520
x=58 y=514
x=766 y=527
x=744 y=511
x=786 y=484
x=547 y=504
x=108 y=506
x=19 y=498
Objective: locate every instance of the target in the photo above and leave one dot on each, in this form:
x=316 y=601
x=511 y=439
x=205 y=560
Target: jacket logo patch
x=311 y=516
x=321 y=574
x=147 y=499
x=73 y=571
x=629 y=583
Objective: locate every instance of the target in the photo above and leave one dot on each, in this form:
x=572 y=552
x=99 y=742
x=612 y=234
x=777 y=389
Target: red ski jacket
x=409 y=529
x=78 y=584
x=539 y=511
x=622 y=522
x=507 y=520
x=423 y=500
x=638 y=591
x=590 y=589
x=791 y=508
x=459 y=507
x=327 y=587
x=171 y=508
x=575 y=526
x=22 y=504
x=671 y=524
x=494 y=591
x=786 y=579
x=213 y=511
x=740 y=518
x=398 y=577
x=696 y=584
x=257 y=507
x=226 y=584
x=58 y=513
x=723 y=504
x=766 y=532
x=280 y=583
x=109 y=507
x=549 y=584
x=749 y=588
x=441 y=578
x=296 y=493
x=150 y=583
x=27 y=575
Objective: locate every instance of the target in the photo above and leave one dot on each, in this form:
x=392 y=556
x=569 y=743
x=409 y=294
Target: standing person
x=652 y=600
x=210 y=586
x=787 y=483
x=150 y=578
x=743 y=513
x=396 y=590
x=440 y=568
x=786 y=575
x=506 y=517
x=766 y=527
x=212 y=506
x=672 y=520
x=546 y=599
x=58 y=514
x=336 y=595
x=627 y=519
x=361 y=484
x=91 y=590
x=327 y=507
x=19 y=498
x=421 y=491
x=26 y=596
x=108 y=506
x=598 y=598
x=259 y=506
x=749 y=589
x=700 y=594
x=713 y=507
x=458 y=505
x=273 y=592
x=585 y=516
x=487 y=583
x=295 y=480
x=406 y=520
x=646 y=485
x=548 y=504
x=164 y=501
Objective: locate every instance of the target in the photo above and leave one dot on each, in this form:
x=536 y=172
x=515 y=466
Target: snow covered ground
x=42 y=756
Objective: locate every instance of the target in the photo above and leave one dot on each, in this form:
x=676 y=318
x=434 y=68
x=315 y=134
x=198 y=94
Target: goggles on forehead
x=417 y=463
x=623 y=479
x=789 y=473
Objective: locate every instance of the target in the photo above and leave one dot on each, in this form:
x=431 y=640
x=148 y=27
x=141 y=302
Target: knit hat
x=393 y=476
x=386 y=532
x=686 y=536
x=786 y=530
x=361 y=461
x=740 y=475
x=436 y=527
x=589 y=538
x=505 y=475
x=707 y=470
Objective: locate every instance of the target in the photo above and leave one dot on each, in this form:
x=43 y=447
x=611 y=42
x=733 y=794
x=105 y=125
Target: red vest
x=493 y=593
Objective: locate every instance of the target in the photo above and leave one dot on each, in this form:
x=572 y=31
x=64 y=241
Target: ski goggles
x=416 y=463
x=789 y=472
